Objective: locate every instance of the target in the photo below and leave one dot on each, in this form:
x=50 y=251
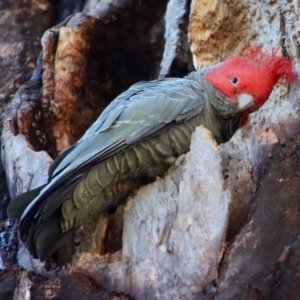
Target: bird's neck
x=218 y=116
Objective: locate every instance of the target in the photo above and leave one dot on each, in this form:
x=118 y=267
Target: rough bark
x=229 y=232
x=20 y=46
x=75 y=287
x=177 y=58
x=20 y=43
x=260 y=256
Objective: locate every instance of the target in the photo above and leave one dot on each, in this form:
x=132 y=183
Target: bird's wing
x=141 y=111
x=136 y=114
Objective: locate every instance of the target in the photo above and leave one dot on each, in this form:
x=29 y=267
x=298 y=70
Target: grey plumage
x=135 y=139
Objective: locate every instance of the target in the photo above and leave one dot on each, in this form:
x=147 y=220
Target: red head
x=255 y=73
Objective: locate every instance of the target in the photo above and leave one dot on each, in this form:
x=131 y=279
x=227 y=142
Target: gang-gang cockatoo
x=137 y=137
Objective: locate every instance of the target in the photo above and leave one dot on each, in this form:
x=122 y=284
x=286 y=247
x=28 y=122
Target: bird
x=138 y=137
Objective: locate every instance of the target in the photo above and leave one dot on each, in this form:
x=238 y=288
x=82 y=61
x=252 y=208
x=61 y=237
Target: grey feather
x=148 y=123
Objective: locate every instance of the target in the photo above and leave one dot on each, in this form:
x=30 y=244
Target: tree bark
x=223 y=223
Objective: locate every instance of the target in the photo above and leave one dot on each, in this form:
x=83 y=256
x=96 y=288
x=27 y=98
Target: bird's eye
x=234 y=80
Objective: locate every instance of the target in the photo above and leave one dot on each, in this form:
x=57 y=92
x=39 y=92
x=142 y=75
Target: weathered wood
x=20 y=46
x=75 y=287
x=259 y=257
x=84 y=70
x=236 y=236
x=20 y=43
x=177 y=58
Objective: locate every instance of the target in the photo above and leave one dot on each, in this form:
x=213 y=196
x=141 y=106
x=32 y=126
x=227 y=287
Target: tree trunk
x=224 y=221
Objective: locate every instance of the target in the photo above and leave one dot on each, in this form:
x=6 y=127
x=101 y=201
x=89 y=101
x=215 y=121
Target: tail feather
x=18 y=205
x=45 y=236
x=40 y=227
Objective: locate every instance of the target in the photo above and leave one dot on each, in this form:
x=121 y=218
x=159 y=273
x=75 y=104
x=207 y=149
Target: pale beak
x=244 y=101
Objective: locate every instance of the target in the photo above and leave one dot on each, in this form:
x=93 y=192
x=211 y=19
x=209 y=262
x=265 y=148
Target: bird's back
x=135 y=140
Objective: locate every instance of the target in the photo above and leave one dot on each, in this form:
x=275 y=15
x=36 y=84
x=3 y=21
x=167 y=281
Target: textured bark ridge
x=75 y=287
x=20 y=46
x=224 y=222
x=20 y=43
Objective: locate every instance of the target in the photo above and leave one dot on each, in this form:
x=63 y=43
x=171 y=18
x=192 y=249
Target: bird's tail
x=41 y=234
x=44 y=237
x=18 y=205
